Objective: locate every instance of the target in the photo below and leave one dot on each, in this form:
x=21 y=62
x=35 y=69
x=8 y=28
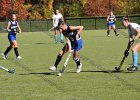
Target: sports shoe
x=133 y=68
x=79 y=68
x=117 y=34
x=19 y=58
x=3 y=56
x=52 y=68
x=61 y=41
x=108 y=35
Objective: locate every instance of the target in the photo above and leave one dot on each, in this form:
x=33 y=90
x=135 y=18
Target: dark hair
x=126 y=18
x=61 y=23
x=55 y=11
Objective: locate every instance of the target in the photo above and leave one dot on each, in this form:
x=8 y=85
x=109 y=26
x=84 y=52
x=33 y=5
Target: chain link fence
x=89 y=23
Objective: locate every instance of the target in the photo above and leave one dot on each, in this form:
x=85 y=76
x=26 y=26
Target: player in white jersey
x=56 y=18
x=134 y=34
x=111 y=19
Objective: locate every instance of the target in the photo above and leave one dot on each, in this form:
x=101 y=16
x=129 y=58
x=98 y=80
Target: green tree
x=128 y=7
x=73 y=8
x=42 y=10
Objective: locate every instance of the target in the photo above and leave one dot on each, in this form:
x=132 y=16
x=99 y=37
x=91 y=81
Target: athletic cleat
x=117 y=34
x=79 y=68
x=133 y=68
x=3 y=56
x=19 y=58
x=52 y=68
x=108 y=35
x=61 y=41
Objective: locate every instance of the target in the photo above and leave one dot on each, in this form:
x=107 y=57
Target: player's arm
x=107 y=18
x=18 y=27
x=8 y=25
x=53 y=21
x=138 y=34
x=78 y=28
x=69 y=44
x=114 y=18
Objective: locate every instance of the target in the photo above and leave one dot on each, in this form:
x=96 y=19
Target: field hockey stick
x=49 y=32
x=122 y=61
x=8 y=70
x=51 y=29
x=65 y=65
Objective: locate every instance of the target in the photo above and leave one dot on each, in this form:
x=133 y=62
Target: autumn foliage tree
x=8 y=7
x=99 y=7
x=42 y=10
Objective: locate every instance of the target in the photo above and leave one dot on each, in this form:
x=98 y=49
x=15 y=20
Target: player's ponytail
x=126 y=18
x=61 y=23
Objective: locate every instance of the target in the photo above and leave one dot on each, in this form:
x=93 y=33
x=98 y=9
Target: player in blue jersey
x=73 y=43
x=12 y=28
x=111 y=19
x=134 y=34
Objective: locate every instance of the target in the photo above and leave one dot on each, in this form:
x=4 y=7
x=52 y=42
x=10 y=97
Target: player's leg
x=76 y=47
x=77 y=61
x=55 y=34
x=108 y=30
x=7 y=51
x=115 y=31
x=61 y=36
x=16 y=49
x=10 y=37
x=135 y=58
x=59 y=57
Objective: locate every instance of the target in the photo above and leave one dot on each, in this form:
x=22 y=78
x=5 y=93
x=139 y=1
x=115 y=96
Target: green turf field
x=97 y=81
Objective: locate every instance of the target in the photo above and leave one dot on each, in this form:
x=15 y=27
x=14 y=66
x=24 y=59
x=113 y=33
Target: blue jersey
x=13 y=30
x=71 y=35
x=111 y=19
x=13 y=26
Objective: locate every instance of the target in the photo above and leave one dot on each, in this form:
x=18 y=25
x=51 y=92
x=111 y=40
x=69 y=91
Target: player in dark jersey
x=12 y=28
x=73 y=44
x=111 y=19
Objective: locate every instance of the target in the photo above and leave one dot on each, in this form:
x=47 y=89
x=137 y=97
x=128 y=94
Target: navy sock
x=58 y=59
x=7 y=50
x=108 y=32
x=77 y=61
x=16 y=52
x=115 y=31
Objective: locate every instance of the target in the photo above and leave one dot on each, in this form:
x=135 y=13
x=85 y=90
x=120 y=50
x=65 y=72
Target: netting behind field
x=89 y=23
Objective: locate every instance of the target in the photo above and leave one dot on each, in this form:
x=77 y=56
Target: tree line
x=43 y=9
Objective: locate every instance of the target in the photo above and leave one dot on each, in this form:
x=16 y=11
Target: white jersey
x=132 y=27
x=56 y=19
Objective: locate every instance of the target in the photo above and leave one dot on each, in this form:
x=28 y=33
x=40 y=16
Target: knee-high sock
x=108 y=32
x=135 y=59
x=77 y=61
x=55 y=38
x=115 y=31
x=7 y=50
x=58 y=59
x=16 y=52
x=61 y=37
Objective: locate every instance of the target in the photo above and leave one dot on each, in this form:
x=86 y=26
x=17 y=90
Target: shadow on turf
x=54 y=73
x=44 y=43
x=106 y=71
x=41 y=73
